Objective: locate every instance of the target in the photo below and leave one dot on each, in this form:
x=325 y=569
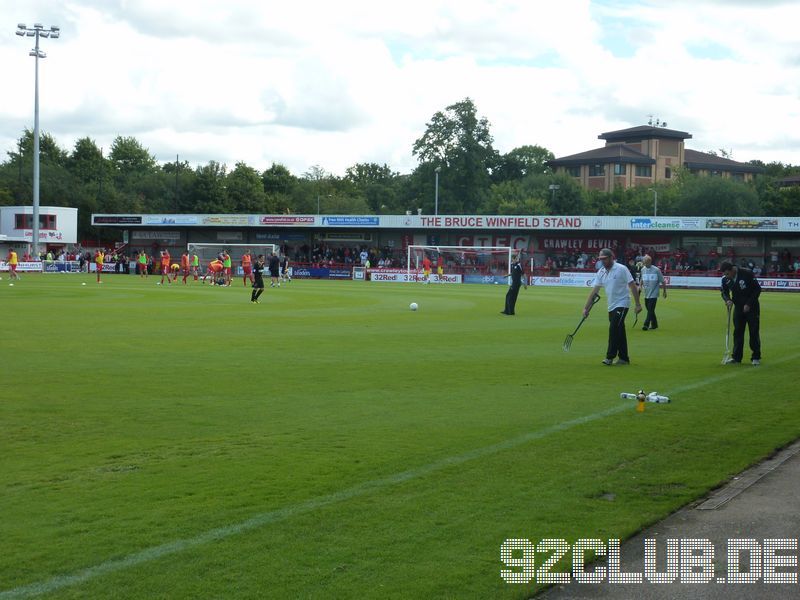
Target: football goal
x=486 y=260
x=208 y=252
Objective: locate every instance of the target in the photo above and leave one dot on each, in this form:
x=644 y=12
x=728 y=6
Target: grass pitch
x=163 y=442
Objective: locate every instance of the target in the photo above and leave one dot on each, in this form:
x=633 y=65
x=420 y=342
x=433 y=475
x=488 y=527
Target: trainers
x=732 y=361
x=608 y=362
x=645 y=328
x=756 y=361
x=621 y=361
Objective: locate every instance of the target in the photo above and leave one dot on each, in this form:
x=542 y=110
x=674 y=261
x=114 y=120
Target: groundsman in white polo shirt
x=617 y=281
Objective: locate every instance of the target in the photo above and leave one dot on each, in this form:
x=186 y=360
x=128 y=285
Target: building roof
x=789 y=180
x=615 y=153
x=643 y=132
x=702 y=160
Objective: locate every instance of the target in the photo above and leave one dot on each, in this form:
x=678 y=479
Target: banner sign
x=351 y=221
x=490 y=279
x=169 y=220
x=22 y=266
x=508 y=223
x=740 y=242
x=284 y=221
x=229 y=220
x=590 y=245
x=137 y=234
x=672 y=281
x=404 y=277
x=70 y=266
x=116 y=220
x=321 y=273
x=741 y=223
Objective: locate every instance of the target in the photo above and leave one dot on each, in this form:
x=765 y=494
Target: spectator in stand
x=796 y=265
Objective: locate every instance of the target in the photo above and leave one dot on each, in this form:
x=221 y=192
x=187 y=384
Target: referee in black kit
x=513 y=289
x=740 y=289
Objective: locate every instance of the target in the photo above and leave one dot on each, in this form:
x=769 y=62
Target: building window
x=573 y=171
x=620 y=170
x=667 y=173
x=26 y=221
x=644 y=171
x=715 y=173
x=597 y=170
x=738 y=176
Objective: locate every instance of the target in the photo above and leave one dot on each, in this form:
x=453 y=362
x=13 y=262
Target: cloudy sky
x=305 y=83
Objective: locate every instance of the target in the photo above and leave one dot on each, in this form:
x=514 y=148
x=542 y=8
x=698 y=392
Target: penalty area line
x=273 y=516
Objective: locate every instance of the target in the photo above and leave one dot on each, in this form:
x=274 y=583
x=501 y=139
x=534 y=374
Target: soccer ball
x=84 y=283
x=413 y=306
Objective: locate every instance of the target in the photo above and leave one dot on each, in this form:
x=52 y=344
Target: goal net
x=462 y=260
x=208 y=252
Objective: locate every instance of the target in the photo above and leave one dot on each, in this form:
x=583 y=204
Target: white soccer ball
x=413 y=306
x=84 y=283
x=12 y=285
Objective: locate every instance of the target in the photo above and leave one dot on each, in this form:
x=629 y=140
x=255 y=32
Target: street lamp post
x=553 y=187
x=437 y=170
x=655 y=201
x=36 y=31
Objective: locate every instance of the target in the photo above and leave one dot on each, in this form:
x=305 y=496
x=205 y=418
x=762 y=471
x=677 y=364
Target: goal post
x=208 y=252
x=461 y=258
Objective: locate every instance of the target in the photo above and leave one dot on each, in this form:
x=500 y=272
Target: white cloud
x=306 y=83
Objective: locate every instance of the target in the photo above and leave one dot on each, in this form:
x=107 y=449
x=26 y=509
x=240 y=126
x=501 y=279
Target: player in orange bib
x=13 y=261
x=99 y=259
x=247 y=267
x=165 y=262
x=214 y=268
x=426 y=269
x=185 y=266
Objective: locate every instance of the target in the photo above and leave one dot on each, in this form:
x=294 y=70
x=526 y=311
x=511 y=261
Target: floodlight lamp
x=21 y=26
x=21 y=33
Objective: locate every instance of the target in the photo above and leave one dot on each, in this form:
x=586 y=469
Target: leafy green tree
x=716 y=196
x=129 y=161
x=245 y=189
x=460 y=143
x=523 y=161
x=376 y=184
x=208 y=189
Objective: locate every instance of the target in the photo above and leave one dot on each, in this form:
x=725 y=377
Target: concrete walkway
x=761 y=503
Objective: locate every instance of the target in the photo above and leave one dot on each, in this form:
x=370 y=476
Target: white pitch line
x=259 y=520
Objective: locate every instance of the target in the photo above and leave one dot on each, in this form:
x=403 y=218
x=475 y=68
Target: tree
x=716 y=196
x=376 y=184
x=86 y=163
x=523 y=161
x=208 y=189
x=129 y=161
x=460 y=143
x=245 y=189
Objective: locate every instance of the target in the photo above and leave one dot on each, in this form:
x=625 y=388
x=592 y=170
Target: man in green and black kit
x=227 y=266
x=650 y=280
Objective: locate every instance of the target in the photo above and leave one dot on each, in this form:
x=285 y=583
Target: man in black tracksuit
x=740 y=288
x=513 y=290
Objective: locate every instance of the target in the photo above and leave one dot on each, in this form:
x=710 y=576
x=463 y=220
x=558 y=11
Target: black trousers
x=511 y=299
x=751 y=320
x=650 y=320
x=617 y=340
